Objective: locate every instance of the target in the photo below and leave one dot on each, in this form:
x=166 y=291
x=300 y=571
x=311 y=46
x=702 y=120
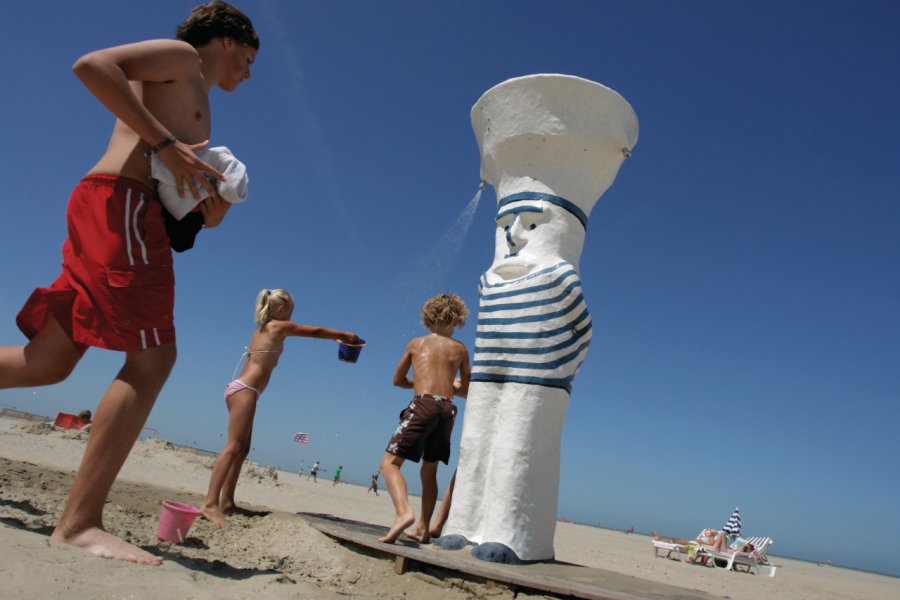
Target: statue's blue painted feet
x=451 y=542
x=496 y=552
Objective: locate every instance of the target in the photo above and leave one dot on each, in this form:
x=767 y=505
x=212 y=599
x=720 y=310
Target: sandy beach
x=270 y=552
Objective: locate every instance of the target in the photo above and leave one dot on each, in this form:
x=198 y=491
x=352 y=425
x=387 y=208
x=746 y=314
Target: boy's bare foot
x=105 y=545
x=400 y=523
x=423 y=537
x=213 y=514
x=227 y=507
x=436 y=531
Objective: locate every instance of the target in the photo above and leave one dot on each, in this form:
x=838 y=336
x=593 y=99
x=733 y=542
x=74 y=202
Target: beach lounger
x=748 y=561
x=670 y=547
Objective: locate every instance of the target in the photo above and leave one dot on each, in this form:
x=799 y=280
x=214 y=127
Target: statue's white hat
x=553 y=136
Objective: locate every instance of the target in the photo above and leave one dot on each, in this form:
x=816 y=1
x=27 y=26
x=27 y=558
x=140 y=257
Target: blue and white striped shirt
x=534 y=330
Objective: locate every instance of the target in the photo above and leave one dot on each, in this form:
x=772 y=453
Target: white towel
x=233 y=188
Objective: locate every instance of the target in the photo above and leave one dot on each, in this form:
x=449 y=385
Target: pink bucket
x=175 y=520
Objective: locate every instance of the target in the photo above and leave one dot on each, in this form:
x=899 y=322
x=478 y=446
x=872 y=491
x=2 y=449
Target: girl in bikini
x=273 y=313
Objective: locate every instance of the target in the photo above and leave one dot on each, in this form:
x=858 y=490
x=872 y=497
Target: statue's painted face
x=518 y=223
x=533 y=233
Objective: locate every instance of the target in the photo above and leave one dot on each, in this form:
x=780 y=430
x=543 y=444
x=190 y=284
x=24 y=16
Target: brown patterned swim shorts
x=424 y=430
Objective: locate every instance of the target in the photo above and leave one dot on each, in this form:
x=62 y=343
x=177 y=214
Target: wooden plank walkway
x=558 y=578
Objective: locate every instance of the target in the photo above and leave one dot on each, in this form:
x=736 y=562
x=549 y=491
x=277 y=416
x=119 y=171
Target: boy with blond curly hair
x=426 y=424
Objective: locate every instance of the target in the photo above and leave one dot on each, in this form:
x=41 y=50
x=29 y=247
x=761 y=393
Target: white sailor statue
x=550 y=146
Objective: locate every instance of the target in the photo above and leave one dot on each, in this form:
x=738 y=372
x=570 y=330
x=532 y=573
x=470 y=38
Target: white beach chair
x=670 y=547
x=748 y=561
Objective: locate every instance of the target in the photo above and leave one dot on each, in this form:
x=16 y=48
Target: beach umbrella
x=733 y=526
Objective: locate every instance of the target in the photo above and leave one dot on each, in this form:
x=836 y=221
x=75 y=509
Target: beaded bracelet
x=163 y=144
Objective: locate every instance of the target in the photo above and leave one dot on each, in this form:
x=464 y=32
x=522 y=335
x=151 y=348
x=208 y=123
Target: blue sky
x=742 y=271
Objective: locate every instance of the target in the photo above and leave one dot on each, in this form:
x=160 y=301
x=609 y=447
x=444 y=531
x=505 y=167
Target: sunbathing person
x=709 y=539
x=85 y=417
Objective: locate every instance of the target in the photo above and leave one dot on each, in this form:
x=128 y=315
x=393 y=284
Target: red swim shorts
x=117 y=287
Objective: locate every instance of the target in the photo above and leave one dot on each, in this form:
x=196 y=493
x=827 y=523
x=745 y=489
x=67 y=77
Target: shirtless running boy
x=116 y=290
x=426 y=424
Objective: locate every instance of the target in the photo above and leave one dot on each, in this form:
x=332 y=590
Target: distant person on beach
x=373 y=487
x=337 y=476
x=85 y=417
x=313 y=470
x=426 y=424
x=116 y=290
x=710 y=539
x=273 y=312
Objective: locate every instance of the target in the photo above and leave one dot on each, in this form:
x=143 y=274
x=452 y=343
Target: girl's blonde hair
x=444 y=309
x=264 y=302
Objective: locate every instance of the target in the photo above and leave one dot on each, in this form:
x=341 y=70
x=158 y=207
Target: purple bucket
x=350 y=352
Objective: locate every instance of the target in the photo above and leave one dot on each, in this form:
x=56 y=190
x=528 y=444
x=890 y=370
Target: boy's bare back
x=435 y=360
x=424 y=432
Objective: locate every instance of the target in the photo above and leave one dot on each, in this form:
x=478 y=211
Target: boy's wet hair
x=217 y=19
x=443 y=310
x=264 y=302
